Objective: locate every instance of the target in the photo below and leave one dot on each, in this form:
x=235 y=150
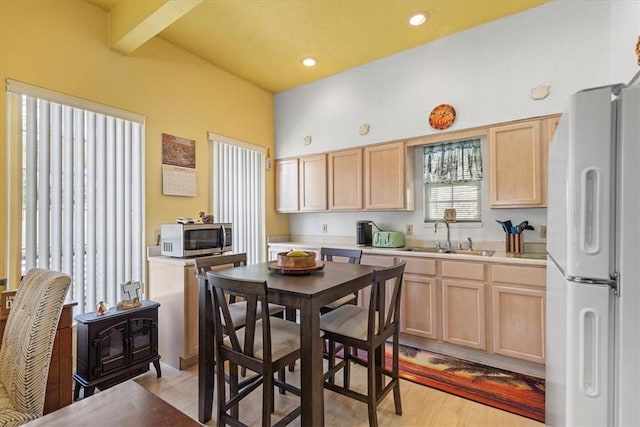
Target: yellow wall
x=62 y=45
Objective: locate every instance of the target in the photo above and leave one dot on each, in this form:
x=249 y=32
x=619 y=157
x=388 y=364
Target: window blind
x=83 y=207
x=239 y=193
x=452 y=179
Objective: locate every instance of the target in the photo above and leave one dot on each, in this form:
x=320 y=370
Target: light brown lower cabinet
x=419 y=316
x=518 y=306
x=364 y=294
x=420 y=302
x=491 y=307
x=173 y=284
x=463 y=313
x=463 y=304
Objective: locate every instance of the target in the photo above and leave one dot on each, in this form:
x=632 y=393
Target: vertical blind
x=239 y=193
x=83 y=206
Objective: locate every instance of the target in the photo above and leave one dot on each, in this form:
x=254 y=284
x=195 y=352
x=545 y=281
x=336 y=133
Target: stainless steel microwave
x=187 y=240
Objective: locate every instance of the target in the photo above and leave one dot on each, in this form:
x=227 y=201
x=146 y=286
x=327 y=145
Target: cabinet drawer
x=378 y=260
x=520 y=275
x=420 y=266
x=463 y=270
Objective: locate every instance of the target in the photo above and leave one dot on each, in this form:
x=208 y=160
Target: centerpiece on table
x=296 y=262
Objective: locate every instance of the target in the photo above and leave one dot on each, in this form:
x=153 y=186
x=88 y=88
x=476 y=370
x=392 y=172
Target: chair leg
x=233 y=388
x=331 y=352
x=268 y=405
x=396 y=377
x=371 y=390
x=282 y=378
x=222 y=395
x=346 y=371
x=290 y=314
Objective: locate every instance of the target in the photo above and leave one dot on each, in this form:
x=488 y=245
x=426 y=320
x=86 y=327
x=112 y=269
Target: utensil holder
x=514 y=243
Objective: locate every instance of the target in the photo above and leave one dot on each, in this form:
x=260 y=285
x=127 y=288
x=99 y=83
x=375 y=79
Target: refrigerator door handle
x=590 y=210
x=612 y=282
x=589 y=339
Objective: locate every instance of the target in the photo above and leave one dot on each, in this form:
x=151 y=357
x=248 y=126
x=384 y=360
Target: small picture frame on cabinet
x=6 y=298
x=450 y=215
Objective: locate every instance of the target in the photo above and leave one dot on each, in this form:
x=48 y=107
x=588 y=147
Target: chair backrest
x=28 y=338
x=254 y=292
x=207 y=263
x=384 y=315
x=354 y=255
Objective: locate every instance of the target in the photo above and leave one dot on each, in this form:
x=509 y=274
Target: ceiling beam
x=132 y=23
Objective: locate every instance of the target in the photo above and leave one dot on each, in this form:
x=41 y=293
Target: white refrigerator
x=593 y=270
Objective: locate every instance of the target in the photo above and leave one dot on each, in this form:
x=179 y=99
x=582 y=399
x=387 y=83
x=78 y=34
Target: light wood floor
x=422 y=406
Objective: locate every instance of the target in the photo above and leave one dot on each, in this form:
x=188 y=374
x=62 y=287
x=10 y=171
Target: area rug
x=509 y=391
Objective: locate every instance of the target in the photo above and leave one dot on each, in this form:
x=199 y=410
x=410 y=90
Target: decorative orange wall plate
x=442 y=116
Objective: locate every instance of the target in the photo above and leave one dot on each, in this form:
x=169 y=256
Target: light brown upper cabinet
x=313 y=182
x=287 y=185
x=516 y=165
x=385 y=176
x=345 y=180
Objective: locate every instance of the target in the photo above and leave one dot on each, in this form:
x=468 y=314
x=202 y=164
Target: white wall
x=625 y=29
x=486 y=73
x=344 y=223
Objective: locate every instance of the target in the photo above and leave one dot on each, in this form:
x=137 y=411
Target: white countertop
x=497 y=257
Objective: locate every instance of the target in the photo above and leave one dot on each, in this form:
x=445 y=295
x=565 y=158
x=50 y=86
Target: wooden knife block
x=514 y=243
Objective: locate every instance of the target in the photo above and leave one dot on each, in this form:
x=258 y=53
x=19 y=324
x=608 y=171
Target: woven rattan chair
x=28 y=343
x=368 y=329
x=264 y=344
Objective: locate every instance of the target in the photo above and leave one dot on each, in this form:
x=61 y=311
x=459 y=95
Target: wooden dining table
x=306 y=293
x=127 y=404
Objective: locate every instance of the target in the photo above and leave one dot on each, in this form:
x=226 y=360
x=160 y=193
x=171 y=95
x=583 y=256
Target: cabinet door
x=385 y=176
x=419 y=305
x=515 y=165
x=345 y=180
x=463 y=317
x=518 y=300
x=287 y=185
x=364 y=294
x=191 y=342
x=313 y=183
x=518 y=322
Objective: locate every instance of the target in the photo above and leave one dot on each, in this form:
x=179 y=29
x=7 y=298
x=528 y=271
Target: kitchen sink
x=428 y=250
x=477 y=252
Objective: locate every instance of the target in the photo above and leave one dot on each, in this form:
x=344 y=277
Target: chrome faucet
x=435 y=230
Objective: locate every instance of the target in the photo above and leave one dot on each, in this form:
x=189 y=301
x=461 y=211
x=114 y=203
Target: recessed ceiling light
x=418 y=18
x=309 y=62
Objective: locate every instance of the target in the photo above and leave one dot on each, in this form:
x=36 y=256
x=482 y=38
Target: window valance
x=451 y=162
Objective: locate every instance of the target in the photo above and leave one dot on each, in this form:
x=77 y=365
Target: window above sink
x=452 y=173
